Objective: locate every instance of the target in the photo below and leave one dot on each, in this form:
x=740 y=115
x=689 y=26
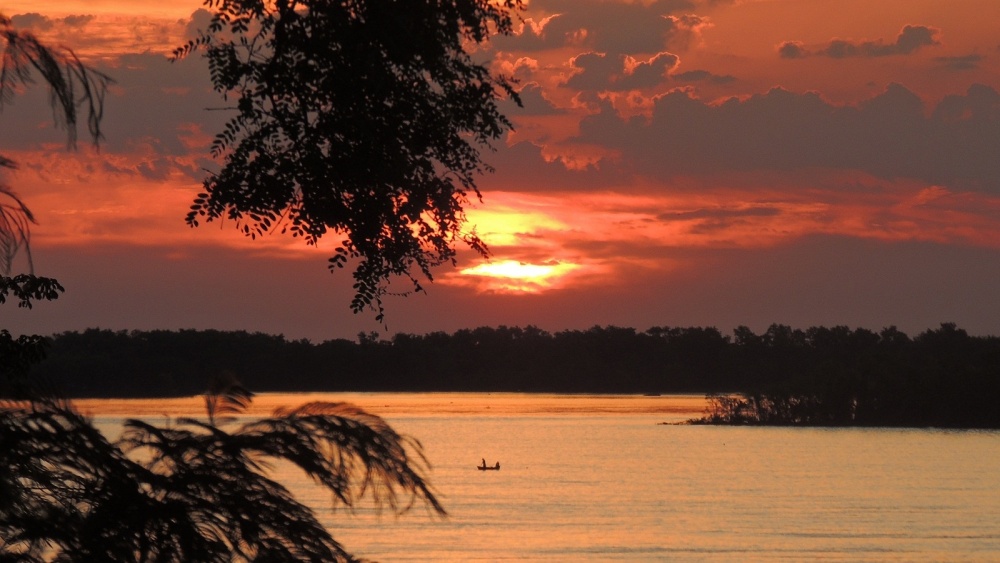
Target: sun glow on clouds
x=511 y=220
x=104 y=7
x=104 y=29
x=542 y=239
x=554 y=241
x=511 y=276
x=88 y=199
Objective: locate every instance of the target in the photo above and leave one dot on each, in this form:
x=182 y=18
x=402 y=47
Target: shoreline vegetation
x=820 y=376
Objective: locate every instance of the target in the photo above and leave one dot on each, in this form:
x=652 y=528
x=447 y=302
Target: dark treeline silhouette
x=837 y=377
x=100 y=363
x=826 y=376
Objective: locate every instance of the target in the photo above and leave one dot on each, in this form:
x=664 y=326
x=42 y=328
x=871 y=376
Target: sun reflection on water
x=415 y=404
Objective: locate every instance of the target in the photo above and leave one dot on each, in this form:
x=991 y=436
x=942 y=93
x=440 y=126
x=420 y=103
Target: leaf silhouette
x=225 y=395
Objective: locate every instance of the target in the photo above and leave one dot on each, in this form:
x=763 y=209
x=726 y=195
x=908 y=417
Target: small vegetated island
x=820 y=376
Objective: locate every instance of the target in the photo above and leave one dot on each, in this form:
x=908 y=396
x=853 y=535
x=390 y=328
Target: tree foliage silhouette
x=363 y=118
x=186 y=492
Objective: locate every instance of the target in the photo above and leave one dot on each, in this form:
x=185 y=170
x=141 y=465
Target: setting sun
x=518 y=277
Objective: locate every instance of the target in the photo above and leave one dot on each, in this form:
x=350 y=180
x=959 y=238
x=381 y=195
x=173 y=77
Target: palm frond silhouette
x=193 y=491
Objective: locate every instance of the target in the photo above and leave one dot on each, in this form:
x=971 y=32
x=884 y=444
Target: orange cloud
x=103 y=31
x=550 y=241
x=137 y=199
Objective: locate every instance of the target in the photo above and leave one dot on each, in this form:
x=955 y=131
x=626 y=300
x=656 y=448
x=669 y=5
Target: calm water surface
x=599 y=479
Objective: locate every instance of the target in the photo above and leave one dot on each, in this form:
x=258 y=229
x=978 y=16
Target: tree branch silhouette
x=361 y=120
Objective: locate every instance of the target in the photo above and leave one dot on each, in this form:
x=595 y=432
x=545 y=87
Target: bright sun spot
x=505 y=227
x=519 y=277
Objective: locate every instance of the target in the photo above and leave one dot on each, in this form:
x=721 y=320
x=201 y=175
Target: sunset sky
x=680 y=163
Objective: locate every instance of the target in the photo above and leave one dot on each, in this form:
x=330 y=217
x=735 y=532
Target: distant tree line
x=833 y=377
x=829 y=376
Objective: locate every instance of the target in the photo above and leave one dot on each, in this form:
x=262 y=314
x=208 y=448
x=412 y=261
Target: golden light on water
x=654 y=490
x=412 y=404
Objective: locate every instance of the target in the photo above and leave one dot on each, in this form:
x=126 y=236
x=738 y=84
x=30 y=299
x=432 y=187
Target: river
x=600 y=478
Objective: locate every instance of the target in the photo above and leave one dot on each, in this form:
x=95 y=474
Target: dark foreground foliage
x=192 y=490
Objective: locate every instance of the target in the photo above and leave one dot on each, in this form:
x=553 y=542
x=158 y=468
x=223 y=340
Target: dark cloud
x=890 y=136
x=598 y=25
x=914 y=37
x=78 y=21
x=33 y=21
x=792 y=50
x=910 y=39
x=158 y=96
x=199 y=22
x=37 y=22
x=647 y=74
x=720 y=219
x=719 y=213
x=600 y=72
x=523 y=167
x=980 y=104
x=533 y=102
x=534 y=36
x=595 y=71
x=685 y=30
x=966 y=62
x=702 y=76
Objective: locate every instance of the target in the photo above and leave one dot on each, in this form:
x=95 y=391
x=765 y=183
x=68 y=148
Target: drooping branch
x=362 y=120
x=15 y=228
x=72 y=85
